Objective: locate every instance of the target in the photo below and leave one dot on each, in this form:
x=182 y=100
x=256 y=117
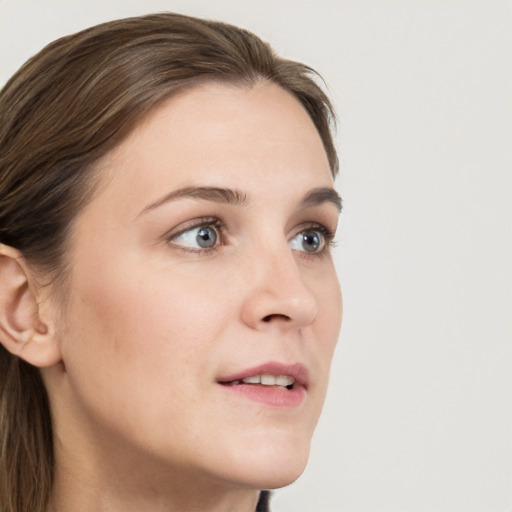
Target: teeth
x=284 y=380
x=252 y=380
x=270 y=380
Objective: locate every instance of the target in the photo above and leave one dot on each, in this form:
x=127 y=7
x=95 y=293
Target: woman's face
x=202 y=260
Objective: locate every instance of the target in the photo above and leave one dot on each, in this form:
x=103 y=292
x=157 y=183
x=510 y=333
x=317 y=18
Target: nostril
x=269 y=318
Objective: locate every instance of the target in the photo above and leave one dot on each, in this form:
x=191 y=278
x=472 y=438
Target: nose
x=278 y=294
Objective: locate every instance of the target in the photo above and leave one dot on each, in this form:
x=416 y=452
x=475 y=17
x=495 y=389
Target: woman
x=169 y=306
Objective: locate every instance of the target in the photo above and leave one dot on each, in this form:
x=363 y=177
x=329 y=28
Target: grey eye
x=202 y=237
x=311 y=240
x=206 y=237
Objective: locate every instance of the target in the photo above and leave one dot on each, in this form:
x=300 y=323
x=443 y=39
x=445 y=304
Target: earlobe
x=22 y=330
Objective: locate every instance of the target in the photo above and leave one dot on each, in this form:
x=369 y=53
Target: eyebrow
x=235 y=197
x=321 y=195
x=215 y=194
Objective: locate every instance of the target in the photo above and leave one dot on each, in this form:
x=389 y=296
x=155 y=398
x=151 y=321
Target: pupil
x=206 y=237
x=311 y=241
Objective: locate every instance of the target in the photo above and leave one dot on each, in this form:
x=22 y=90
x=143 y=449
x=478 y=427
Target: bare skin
x=204 y=254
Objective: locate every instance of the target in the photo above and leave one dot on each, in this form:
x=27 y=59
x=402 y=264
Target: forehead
x=244 y=137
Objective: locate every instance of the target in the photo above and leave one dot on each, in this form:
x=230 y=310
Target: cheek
x=333 y=313
x=330 y=308
x=327 y=324
x=137 y=350
x=140 y=326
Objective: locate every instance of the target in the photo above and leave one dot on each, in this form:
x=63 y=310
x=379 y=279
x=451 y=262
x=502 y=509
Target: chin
x=281 y=477
x=270 y=466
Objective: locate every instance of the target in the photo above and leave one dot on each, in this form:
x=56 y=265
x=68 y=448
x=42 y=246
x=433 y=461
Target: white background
x=419 y=415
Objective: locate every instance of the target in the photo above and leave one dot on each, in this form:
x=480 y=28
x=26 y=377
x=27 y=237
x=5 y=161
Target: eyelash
x=328 y=236
x=220 y=227
x=204 y=222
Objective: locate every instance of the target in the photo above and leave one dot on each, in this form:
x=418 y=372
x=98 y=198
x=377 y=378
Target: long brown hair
x=59 y=114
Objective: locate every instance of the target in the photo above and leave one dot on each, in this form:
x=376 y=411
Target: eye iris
x=206 y=237
x=311 y=241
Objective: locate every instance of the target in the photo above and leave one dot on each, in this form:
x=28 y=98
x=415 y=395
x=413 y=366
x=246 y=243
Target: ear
x=23 y=330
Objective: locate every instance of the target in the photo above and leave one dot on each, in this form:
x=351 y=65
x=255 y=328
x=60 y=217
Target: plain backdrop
x=419 y=414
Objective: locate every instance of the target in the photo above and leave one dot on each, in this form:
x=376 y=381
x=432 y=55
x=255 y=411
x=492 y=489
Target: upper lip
x=297 y=371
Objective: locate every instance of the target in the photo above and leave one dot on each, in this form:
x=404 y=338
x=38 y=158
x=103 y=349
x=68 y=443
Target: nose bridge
x=277 y=290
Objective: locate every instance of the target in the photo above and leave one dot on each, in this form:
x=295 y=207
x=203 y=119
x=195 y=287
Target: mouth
x=264 y=380
x=272 y=384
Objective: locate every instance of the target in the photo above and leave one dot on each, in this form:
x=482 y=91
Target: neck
x=77 y=492
x=96 y=469
x=116 y=479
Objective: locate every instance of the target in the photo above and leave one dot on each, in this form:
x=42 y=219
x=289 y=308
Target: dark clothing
x=263 y=502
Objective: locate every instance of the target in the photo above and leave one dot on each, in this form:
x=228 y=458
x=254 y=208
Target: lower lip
x=273 y=396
